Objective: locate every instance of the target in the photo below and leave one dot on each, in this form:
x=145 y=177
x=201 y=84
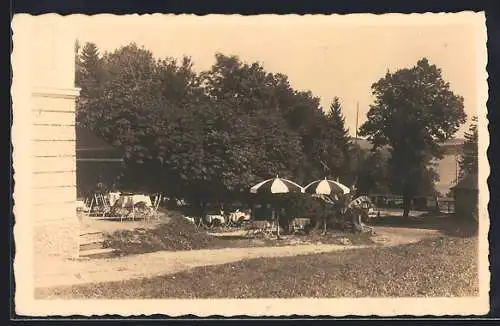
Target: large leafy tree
x=298 y=138
x=204 y=137
x=136 y=98
x=414 y=111
x=469 y=160
x=373 y=174
x=130 y=102
x=249 y=97
x=306 y=117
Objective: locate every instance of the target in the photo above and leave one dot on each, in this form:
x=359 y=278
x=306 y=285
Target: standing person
x=100 y=188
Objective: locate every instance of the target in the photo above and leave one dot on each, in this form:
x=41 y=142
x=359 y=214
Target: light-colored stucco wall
x=447 y=167
x=447 y=170
x=46 y=47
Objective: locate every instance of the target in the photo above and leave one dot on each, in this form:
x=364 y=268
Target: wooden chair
x=153 y=212
x=94 y=207
x=106 y=205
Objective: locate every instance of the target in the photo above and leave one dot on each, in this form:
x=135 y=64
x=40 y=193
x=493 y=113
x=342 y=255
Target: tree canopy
x=205 y=136
x=208 y=136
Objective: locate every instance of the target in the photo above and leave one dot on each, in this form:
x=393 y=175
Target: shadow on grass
x=448 y=224
x=175 y=235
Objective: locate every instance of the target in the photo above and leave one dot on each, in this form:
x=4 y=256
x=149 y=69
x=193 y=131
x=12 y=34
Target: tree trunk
x=406 y=205
x=317 y=222
x=356 y=221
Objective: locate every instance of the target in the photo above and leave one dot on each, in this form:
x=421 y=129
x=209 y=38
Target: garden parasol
x=276 y=186
x=327 y=187
x=327 y=190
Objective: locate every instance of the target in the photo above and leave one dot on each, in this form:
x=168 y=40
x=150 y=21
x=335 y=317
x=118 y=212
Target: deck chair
x=89 y=204
x=94 y=205
x=198 y=222
x=85 y=206
x=153 y=213
x=104 y=207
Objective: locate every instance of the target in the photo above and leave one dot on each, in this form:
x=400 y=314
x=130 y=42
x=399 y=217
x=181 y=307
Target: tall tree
x=337 y=119
x=414 y=111
x=122 y=102
x=90 y=77
x=469 y=160
x=336 y=123
x=78 y=61
x=90 y=68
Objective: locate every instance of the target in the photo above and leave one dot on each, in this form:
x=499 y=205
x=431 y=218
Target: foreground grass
x=433 y=267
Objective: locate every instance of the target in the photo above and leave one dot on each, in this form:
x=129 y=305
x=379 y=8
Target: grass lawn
x=444 y=266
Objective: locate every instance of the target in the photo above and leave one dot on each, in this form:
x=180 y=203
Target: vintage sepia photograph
x=250 y=165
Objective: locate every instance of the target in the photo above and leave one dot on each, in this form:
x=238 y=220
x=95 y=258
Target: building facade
x=447 y=167
x=44 y=67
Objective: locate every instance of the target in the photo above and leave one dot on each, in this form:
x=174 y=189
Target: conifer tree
x=469 y=161
x=336 y=122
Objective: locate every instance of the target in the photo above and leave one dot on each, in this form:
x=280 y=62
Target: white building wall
x=447 y=168
x=46 y=45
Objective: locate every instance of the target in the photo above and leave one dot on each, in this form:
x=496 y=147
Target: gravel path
x=58 y=273
x=393 y=236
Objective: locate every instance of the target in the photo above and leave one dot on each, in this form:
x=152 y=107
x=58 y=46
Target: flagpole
x=356 y=142
x=357 y=115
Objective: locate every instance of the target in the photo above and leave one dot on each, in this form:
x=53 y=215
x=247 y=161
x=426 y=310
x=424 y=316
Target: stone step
x=96 y=252
x=91 y=237
x=91 y=246
x=92 y=240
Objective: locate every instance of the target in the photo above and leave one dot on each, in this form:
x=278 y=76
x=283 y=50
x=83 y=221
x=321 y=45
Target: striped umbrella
x=276 y=186
x=327 y=187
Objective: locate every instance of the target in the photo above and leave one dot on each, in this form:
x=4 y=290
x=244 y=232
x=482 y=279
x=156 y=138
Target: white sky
x=329 y=55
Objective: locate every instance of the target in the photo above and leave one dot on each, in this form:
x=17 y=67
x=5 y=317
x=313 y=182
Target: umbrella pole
x=324 y=219
x=278 y=225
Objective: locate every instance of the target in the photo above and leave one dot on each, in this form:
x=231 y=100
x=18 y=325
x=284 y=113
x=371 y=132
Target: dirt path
x=59 y=273
x=393 y=236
